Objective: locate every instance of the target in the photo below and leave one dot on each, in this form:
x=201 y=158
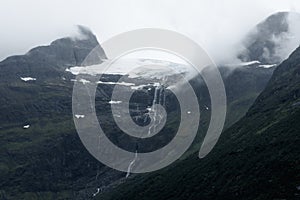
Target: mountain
x=41 y=155
x=272 y=40
x=45 y=61
x=49 y=92
x=39 y=145
x=257 y=158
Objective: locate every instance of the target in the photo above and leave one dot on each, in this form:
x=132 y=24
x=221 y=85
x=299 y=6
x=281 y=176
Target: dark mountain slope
x=257 y=158
x=240 y=97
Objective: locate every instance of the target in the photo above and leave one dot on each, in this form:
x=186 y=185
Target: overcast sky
x=214 y=24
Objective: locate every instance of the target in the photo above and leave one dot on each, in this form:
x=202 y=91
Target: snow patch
x=83 y=81
x=140 y=87
x=26 y=126
x=79 y=116
x=114 y=102
x=267 y=66
x=242 y=64
x=28 y=79
x=97 y=192
x=116 y=83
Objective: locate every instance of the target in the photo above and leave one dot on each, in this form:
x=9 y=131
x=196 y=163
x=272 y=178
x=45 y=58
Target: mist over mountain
x=272 y=40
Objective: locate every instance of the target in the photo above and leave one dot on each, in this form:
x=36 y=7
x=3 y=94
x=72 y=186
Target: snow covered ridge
x=27 y=79
x=149 y=69
x=135 y=68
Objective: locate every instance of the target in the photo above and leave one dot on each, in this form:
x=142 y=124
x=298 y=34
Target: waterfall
x=154 y=112
x=97 y=192
x=159 y=98
x=131 y=164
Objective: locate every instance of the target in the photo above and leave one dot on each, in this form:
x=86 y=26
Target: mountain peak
x=83 y=34
x=85 y=31
x=55 y=57
x=275 y=24
x=272 y=40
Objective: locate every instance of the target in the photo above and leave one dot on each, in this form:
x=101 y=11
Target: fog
x=214 y=24
x=292 y=39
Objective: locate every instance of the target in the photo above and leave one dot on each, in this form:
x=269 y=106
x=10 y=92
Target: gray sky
x=215 y=24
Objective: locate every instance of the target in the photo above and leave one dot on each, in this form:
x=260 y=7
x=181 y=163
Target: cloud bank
x=216 y=25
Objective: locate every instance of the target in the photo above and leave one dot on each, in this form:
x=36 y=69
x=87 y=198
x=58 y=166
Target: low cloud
x=216 y=25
